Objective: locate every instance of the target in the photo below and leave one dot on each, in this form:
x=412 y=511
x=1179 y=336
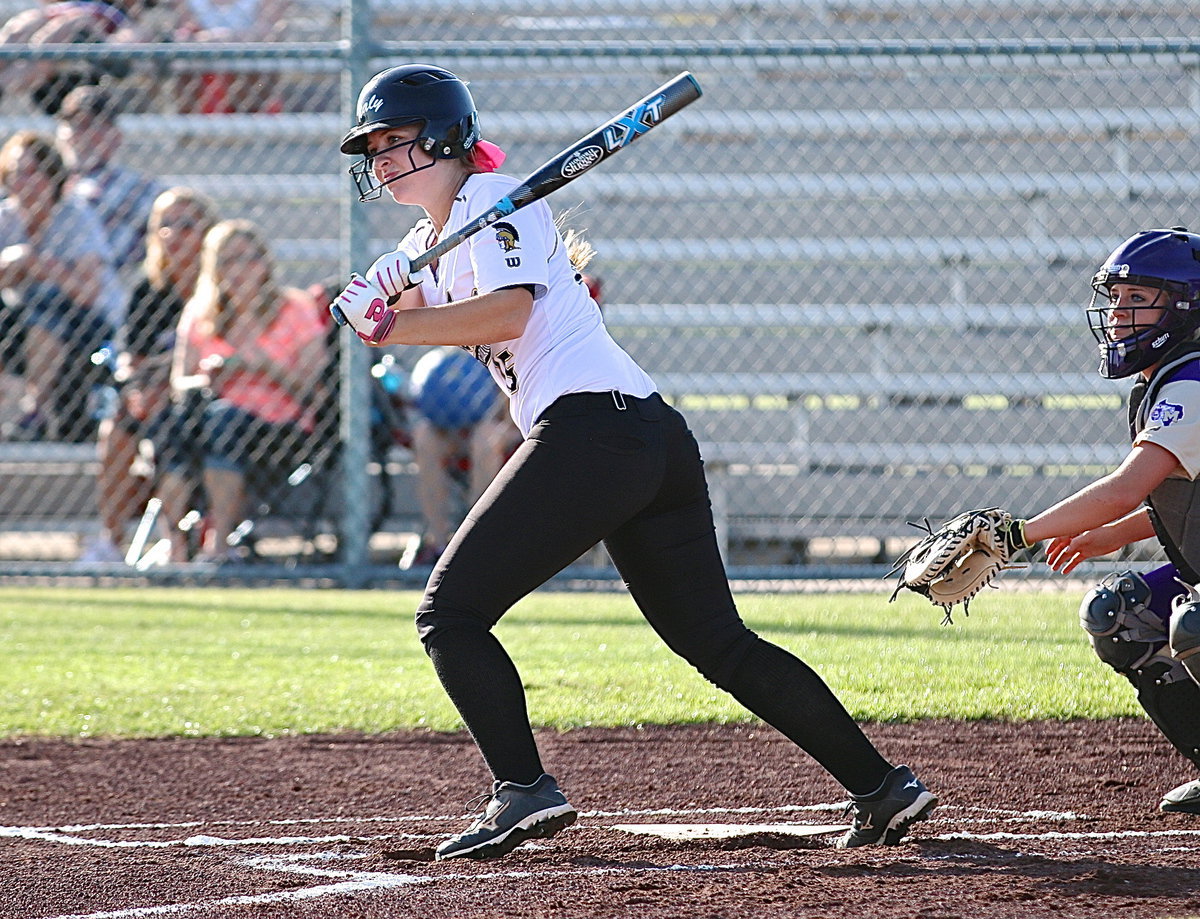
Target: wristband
x=1014 y=537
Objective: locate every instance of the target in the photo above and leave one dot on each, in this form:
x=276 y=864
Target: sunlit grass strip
x=149 y=662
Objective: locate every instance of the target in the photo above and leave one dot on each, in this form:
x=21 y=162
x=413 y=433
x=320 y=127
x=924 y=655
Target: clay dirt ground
x=1035 y=819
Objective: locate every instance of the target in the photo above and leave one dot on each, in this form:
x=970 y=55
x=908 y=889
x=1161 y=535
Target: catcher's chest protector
x=1175 y=504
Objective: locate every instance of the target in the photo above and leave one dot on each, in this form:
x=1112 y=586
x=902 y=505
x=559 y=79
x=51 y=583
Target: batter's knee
x=434 y=620
x=1183 y=635
x=1124 y=631
x=719 y=661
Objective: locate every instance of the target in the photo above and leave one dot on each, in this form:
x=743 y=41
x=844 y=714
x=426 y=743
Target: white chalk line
x=69 y=834
x=349 y=882
x=987 y=814
x=354 y=882
x=427 y=818
x=43 y=835
x=1114 y=834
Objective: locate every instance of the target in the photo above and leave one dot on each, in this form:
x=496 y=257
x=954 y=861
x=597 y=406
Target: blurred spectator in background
x=248 y=363
x=233 y=20
x=387 y=394
x=71 y=22
x=179 y=219
x=62 y=300
x=461 y=436
x=216 y=92
x=89 y=138
x=388 y=390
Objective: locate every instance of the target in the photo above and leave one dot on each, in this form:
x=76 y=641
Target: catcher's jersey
x=1172 y=420
x=565 y=347
x=1165 y=411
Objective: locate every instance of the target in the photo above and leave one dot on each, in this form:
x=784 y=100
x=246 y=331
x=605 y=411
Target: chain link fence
x=859 y=263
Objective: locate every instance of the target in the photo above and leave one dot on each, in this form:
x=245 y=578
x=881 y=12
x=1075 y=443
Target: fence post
x=355 y=358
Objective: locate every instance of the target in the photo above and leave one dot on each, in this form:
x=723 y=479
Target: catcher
x=1145 y=315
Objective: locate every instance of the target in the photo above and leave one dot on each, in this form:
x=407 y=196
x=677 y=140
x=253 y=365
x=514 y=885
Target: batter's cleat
x=514 y=813
x=1182 y=800
x=884 y=816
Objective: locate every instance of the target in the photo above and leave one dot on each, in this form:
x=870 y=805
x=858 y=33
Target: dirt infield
x=1034 y=819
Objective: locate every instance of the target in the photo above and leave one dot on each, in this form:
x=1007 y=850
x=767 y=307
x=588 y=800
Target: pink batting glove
x=361 y=306
x=383 y=328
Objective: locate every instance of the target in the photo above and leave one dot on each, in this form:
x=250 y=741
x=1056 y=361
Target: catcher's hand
x=953 y=563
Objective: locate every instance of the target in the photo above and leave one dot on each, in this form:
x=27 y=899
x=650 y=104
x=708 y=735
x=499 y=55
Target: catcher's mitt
x=953 y=563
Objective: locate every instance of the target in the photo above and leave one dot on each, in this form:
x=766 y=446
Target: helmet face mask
x=419 y=94
x=1167 y=263
x=363 y=172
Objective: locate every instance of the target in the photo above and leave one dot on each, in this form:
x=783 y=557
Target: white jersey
x=565 y=347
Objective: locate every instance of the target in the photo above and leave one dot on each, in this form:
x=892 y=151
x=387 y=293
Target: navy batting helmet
x=413 y=93
x=1167 y=261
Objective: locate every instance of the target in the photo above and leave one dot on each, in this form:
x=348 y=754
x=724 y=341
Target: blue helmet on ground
x=452 y=389
x=1167 y=260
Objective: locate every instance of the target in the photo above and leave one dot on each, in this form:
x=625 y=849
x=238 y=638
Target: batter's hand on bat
x=392 y=273
x=383 y=328
x=361 y=306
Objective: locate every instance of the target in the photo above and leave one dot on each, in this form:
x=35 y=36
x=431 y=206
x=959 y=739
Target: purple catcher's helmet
x=412 y=94
x=1166 y=260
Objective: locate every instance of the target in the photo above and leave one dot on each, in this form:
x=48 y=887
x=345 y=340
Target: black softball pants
x=607 y=466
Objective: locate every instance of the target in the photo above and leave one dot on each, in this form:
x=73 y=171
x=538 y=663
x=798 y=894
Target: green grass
x=155 y=662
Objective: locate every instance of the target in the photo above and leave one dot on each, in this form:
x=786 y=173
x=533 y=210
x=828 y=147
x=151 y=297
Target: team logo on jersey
x=1166 y=413
x=510 y=241
x=507 y=236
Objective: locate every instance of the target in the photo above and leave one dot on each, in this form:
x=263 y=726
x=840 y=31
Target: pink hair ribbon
x=488 y=156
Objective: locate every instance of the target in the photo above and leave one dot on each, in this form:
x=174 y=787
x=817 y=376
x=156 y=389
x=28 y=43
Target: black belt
x=578 y=403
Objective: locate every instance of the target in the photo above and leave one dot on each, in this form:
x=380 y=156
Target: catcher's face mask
x=1146 y=300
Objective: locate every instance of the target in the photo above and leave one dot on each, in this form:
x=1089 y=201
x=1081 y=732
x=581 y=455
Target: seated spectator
x=70 y=22
x=62 y=298
x=461 y=436
x=90 y=138
x=388 y=417
x=178 y=222
x=216 y=92
x=249 y=358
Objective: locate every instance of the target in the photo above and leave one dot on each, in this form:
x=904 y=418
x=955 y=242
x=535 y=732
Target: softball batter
x=604 y=458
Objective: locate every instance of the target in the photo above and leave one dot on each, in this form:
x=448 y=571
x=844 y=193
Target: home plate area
x=728 y=830
x=720 y=821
